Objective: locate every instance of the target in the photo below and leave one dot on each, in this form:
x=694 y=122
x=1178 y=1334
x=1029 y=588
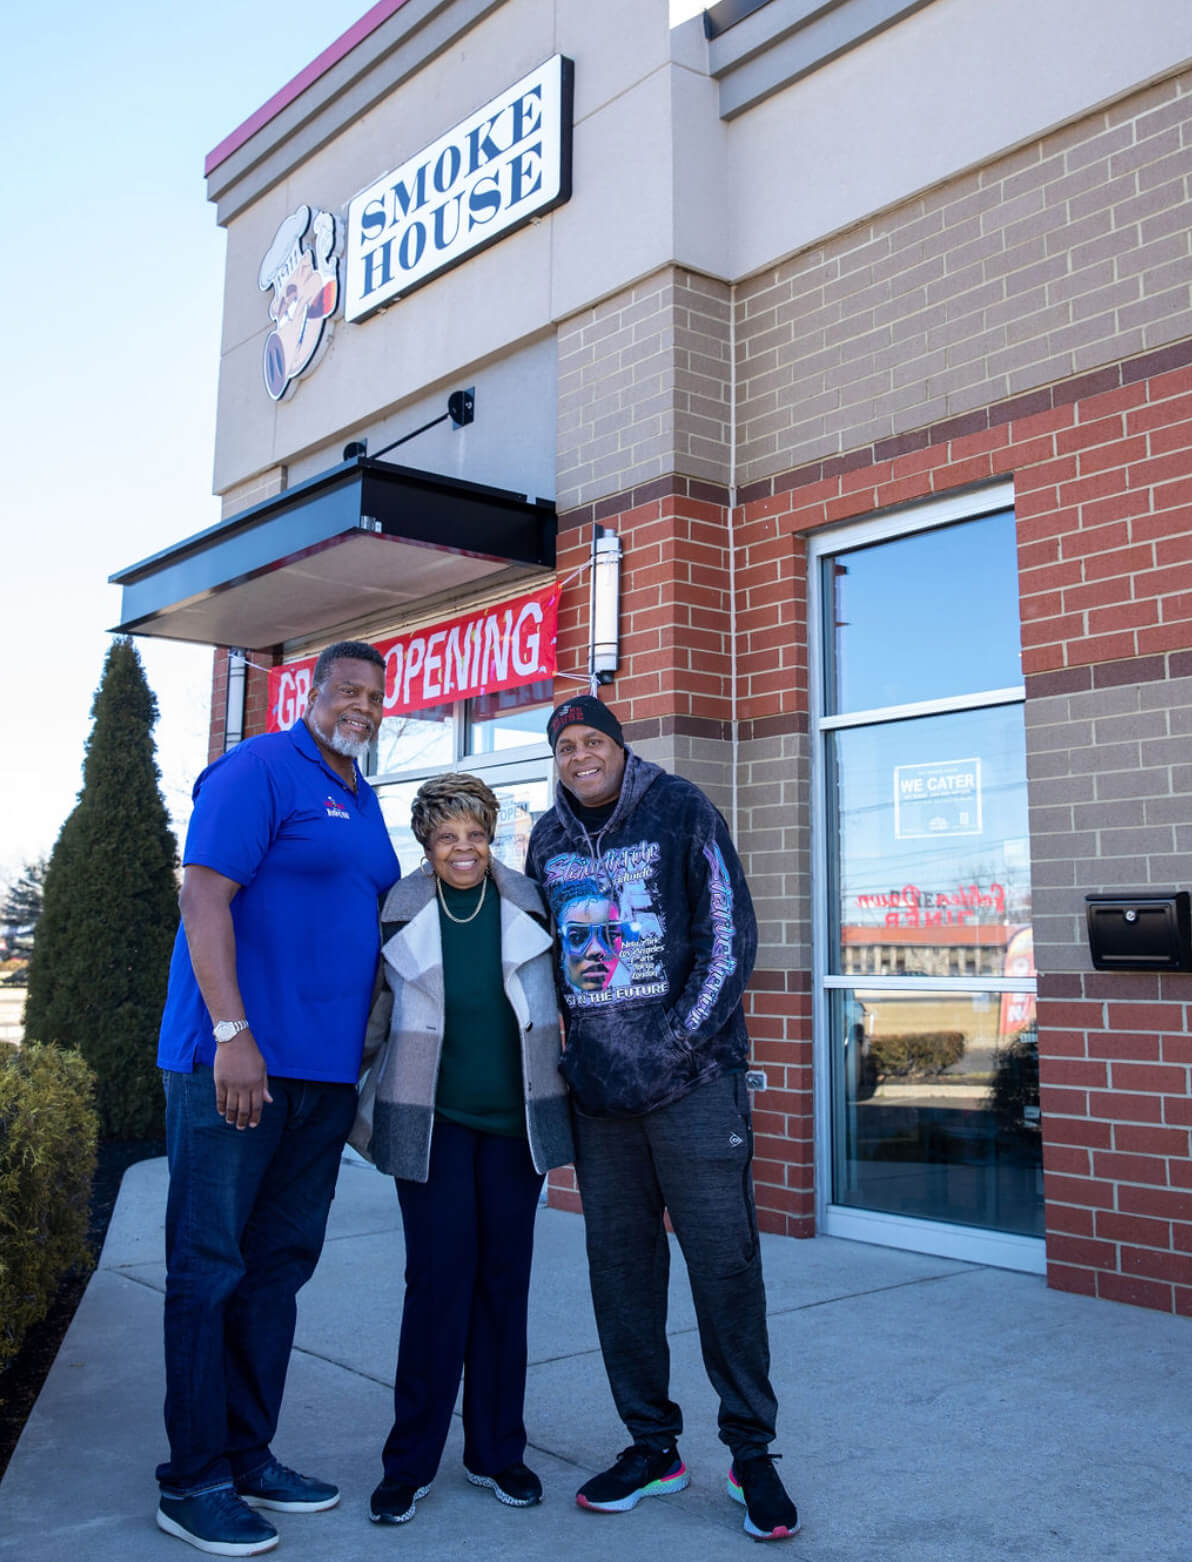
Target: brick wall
x=644 y=388
x=1065 y=255
x=256 y=698
x=219 y=703
x=254 y=490
x=672 y=692
x=675 y=665
x=1105 y=556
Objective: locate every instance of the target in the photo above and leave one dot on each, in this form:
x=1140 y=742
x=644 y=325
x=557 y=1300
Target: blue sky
x=111 y=352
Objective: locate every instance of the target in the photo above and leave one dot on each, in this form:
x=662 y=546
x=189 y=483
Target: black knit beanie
x=583 y=710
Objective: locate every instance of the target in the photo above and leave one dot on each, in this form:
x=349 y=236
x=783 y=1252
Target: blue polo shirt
x=313 y=859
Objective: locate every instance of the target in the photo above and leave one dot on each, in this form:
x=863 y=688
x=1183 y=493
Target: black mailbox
x=1140 y=932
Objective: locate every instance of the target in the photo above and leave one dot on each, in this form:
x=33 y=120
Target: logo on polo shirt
x=334 y=809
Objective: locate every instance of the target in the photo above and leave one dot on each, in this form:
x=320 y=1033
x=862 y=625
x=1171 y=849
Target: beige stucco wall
x=659 y=180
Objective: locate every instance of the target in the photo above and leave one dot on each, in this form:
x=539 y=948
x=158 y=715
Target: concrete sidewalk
x=930 y=1411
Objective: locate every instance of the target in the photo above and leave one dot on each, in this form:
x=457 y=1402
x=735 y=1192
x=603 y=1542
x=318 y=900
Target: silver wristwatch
x=226 y=1029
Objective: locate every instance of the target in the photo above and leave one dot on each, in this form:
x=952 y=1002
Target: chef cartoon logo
x=305 y=286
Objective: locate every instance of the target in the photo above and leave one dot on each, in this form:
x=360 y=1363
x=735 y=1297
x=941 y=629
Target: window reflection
x=933 y=872
x=924 y=616
x=937 y=1104
x=510 y=718
x=425 y=737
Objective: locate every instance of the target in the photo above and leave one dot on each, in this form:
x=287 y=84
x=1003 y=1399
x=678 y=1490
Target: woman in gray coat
x=465 y=1106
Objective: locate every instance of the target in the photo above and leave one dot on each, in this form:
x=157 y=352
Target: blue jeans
x=245 y=1219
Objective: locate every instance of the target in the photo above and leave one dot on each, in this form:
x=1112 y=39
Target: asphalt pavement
x=930 y=1411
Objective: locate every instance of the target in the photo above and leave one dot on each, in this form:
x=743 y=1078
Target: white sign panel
x=943 y=798
x=508 y=163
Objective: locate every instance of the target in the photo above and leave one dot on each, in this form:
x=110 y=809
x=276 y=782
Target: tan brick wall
x=1070 y=253
x=1110 y=769
x=265 y=485
x=644 y=388
x=774 y=839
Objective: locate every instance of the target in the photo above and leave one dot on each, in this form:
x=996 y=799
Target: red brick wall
x=673 y=678
x=779 y=1012
x=674 y=663
x=256 y=699
x=256 y=694
x=674 y=666
x=219 y=703
x=1117 y=1115
x=1102 y=468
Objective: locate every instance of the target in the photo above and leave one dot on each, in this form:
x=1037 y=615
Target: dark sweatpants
x=693 y=1159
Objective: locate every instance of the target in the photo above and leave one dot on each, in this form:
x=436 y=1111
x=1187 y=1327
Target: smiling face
x=591 y=935
x=590 y=764
x=344 y=711
x=458 y=850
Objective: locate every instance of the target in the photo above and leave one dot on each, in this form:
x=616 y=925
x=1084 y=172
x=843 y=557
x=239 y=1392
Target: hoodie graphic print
x=612 y=927
x=655 y=938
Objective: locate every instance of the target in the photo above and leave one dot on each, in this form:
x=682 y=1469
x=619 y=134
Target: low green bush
x=48 y=1129
x=924 y=1052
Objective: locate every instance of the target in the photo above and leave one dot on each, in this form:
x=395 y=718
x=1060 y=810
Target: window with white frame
x=499 y=737
x=925 y=973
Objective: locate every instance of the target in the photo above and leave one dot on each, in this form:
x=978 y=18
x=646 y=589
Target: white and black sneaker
x=517 y=1486
x=393 y=1502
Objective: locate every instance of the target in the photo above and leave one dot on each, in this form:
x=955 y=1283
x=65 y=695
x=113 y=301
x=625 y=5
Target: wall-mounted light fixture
x=604 y=606
x=236 y=689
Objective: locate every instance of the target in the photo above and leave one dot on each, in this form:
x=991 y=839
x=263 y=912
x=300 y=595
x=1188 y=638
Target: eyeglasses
x=577 y=936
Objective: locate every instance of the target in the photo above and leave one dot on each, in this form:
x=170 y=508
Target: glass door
x=925 y=981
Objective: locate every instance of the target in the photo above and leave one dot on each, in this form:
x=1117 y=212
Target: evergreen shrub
x=48 y=1129
x=97 y=979
x=923 y=1052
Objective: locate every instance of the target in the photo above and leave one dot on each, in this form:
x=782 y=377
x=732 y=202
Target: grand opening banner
x=499 y=647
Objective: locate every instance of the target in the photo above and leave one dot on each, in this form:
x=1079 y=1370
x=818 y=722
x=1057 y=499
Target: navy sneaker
x=769 y=1512
x=217 y=1522
x=517 y=1486
x=640 y=1471
x=285 y=1491
x=393 y=1502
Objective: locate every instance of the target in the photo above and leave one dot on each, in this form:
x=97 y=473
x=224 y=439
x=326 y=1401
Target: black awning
x=365 y=537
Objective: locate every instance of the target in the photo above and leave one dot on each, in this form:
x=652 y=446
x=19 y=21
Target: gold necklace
x=461 y=921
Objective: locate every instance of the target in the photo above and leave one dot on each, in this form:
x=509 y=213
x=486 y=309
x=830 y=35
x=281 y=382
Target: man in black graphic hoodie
x=656 y=940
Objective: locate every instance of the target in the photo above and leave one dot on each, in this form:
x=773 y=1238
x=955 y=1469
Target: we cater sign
x=507 y=164
x=494 y=648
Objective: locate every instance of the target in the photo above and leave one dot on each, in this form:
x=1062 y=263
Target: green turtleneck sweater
x=480 y=1074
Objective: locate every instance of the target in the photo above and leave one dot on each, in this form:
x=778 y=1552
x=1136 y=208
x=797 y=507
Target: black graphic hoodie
x=656 y=939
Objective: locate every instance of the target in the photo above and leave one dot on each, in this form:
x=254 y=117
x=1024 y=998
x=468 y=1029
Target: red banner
x=1018 y=1009
x=499 y=647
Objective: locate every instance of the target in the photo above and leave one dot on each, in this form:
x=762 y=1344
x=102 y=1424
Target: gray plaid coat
x=404 y=1042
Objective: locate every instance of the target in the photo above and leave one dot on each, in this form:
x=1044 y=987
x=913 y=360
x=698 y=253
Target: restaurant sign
x=499 y=647
x=504 y=166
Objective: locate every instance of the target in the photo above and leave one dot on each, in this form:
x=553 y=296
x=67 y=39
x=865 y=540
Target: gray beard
x=350 y=748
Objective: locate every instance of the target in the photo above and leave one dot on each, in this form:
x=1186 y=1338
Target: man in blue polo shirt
x=286 y=857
